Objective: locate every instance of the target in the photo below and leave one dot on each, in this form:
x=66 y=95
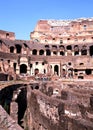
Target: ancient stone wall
x=65 y=113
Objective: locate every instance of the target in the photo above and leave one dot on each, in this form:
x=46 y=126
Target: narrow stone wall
x=55 y=114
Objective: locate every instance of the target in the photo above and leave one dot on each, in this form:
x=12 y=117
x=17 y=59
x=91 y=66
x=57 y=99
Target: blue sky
x=21 y=16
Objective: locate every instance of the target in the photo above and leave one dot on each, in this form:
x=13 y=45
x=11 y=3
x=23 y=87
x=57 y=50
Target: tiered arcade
x=56 y=47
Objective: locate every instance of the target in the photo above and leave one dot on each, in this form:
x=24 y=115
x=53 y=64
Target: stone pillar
x=37 y=52
x=59 y=70
x=14 y=111
x=51 y=53
x=44 y=52
x=28 y=70
x=17 y=69
x=72 y=53
x=14 y=50
x=88 y=53
x=11 y=63
x=66 y=53
x=79 y=53
x=31 y=52
x=14 y=107
x=58 y=53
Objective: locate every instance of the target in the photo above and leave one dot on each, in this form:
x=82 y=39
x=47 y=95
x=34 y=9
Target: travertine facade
x=57 y=65
x=57 y=47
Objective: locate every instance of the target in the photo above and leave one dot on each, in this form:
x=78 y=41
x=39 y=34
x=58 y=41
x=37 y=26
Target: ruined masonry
x=46 y=83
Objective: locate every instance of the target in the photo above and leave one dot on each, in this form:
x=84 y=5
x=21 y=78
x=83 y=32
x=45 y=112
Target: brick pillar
x=14 y=111
x=14 y=106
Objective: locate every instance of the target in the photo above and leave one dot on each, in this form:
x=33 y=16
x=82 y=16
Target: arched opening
x=81 y=64
x=69 y=50
x=76 y=50
x=62 y=50
x=62 y=53
x=56 y=69
x=36 y=87
x=46 y=46
x=91 y=50
x=18 y=48
x=23 y=68
x=14 y=65
x=41 y=52
x=36 y=71
x=12 y=49
x=88 y=71
x=55 y=52
x=54 y=46
x=34 y=52
x=7 y=35
x=48 y=52
x=69 y=47
x=84 y=50
x=61 y=47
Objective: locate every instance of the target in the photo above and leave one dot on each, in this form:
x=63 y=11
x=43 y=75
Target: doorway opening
x=23 y=68
x=56 y=69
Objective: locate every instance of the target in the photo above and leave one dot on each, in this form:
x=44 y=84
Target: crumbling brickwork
x=62 y=47
x=71 y=113
x=57 y=66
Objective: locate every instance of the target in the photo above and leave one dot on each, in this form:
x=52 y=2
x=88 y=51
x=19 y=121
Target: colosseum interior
x=46 y=83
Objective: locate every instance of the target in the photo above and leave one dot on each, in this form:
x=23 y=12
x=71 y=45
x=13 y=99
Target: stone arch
x=23 y=68
x=69 y=47
x=54 y=52
x=14 y=66
x=88 y=71
x=69 y=50
x=36 y=71
x=34 y=52
x=56 y=69
x=54 y=46
x=48 y=52
x=76 y=50
x=62 y=53
x=12 y=49
x=41 y=52
x=7 y=35
x=46 y=46
x=84 y=50
x=18 y=48
x=62 y=47
x=62 y=50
